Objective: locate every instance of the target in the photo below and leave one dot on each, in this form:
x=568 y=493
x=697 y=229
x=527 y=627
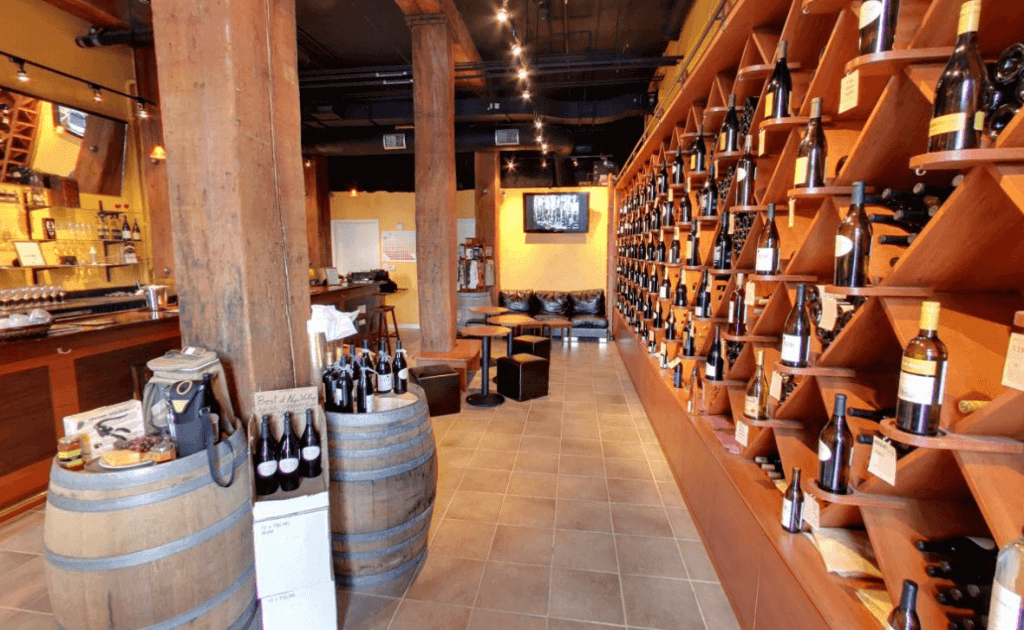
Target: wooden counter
x=363 y=297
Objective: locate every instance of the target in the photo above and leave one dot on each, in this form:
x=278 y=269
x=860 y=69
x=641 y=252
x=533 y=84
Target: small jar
x=69 y=453
x=163 y=452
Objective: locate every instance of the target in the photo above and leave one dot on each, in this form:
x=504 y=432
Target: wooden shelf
x=824 y=192
x=725 y=159
x=879 y=291
x=750 y=338
x=855 y=497
x=963 y=160
x=748 y=209
x=894 y=61
x=836 y=372
x=795 y=278
x=953 y=441
x=761 y=71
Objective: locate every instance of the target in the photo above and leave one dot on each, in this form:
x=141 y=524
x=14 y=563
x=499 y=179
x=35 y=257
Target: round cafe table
x=515 y=323
x=485 y=398
x=489 y=310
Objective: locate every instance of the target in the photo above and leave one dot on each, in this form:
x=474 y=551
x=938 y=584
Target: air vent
x=394 y=141
x=506 y=137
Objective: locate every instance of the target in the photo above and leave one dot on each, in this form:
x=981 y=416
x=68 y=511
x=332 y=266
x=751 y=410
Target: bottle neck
x=796 y=477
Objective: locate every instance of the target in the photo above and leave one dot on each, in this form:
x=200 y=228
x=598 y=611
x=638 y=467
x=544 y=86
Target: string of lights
x=521 y=68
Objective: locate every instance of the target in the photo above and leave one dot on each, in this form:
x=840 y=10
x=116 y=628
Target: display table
x=485 y=398
x=515 y=322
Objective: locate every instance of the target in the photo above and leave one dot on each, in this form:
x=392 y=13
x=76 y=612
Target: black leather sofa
x=585 y=309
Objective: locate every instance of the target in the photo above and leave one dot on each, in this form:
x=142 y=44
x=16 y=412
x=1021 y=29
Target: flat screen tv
x=556 y=212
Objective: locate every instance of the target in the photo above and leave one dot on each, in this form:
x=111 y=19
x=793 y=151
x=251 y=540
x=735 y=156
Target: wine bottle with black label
x=811 y=154
x=793 y=505
x=288 y=457
x=698 y=152
x=264 y=459
x=853 y=243
x=904 y=616
x=729 y=136
x=746 y=174
x=680 y=299
x=767 y=262
x=958 y=113
x=755 y=400
x=737 y=308
x=835 y=451
x=923 y=377
x=796 y=334
x=400 y=369
x=310 y=465
x=714 y=368
x=878 y=25
x=345 y=388
x=779 y=92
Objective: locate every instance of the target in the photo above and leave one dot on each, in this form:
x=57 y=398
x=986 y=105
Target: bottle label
x=311 y=453
x=970 y=16
x=288 y=465
x=722 y=139
x=732 y=223
x=765 y=259
x=824 y=452
x=711 y=372
x=384 y=382
x=843 y=245
x=693 y=167
x=741 y=174
x=750 y=407
x=870 y=11
x=787 y=512
x=769 y=106
x=800 y=172
x=689 y=249
x=921 y=381
x=1007 y=610
x=792 y=348
x=369 y=403
x=951 y=123
x=403 y=374
x=266 y=469
x=732 y=311
x=663 y=294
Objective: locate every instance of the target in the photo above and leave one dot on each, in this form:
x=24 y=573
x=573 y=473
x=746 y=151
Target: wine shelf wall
x=969 y=257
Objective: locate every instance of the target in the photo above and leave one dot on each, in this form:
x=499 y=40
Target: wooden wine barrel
x=383 y=482
x=153 y=548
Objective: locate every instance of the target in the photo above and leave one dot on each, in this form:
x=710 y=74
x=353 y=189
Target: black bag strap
x=211 y=450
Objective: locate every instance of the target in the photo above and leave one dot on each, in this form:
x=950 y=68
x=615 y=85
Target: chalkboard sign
x=556 y=212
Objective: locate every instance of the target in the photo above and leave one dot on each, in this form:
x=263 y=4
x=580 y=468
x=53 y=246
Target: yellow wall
x=700 y=13
x=390 y=209
x=553 y=262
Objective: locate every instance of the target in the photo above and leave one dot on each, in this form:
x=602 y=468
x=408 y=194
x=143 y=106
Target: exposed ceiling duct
x=366 y=141
x=99 y=37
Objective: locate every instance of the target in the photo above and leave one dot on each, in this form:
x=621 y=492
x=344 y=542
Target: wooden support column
x=433 y=71
x=488 y=201
x=318 y=211
x=230 y=97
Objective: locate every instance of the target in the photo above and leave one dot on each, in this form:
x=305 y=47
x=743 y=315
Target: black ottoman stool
x=532 y=344
x=441 y=384
x=523 y=377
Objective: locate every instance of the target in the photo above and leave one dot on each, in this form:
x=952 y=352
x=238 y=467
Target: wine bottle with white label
x=853 y=243
x=904 y=616
x=811 y=154
x=923 y=377
x=796 y=334
x=878 y=25
x=698 y=152
x=746 y=174
x=264 y=459
x=793 y=505
x=767 y=262
x=737 y=308
x=1006 y=609
x=310 y=464
x=288 y=457
x=958 y=114
x=714 y=368
x=729 y=136
x=400 y=369
x=385 y=377
x=779 y=92
x=835 y=451
x=755 y=400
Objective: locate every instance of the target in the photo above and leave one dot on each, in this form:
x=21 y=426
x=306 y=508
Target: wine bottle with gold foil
x=755 y=401
x=923 y=377
x=878 y=25
x=729 y=136
x=958 y=114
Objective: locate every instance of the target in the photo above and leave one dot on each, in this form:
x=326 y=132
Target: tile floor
x=554 y=514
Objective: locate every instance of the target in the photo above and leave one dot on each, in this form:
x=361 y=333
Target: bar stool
x=379 y=328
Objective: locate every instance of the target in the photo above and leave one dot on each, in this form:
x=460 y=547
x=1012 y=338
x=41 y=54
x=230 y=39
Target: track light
x=97 y=94
x=20 y=64
x=140 y=104
x=516 y=49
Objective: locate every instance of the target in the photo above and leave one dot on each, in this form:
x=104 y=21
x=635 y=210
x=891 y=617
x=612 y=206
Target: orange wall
x=553 y=262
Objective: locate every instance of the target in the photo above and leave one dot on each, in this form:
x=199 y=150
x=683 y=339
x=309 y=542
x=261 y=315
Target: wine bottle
x=310 y=465
x=264 y=459
x=767 y=262
x=796 y=334
x=400 y=369
x=746 y=174
x=913 y=226
x=755 y=400
x=901 y=241
x=126 y=230
x=959 y=547
x=662 y=179
x=670 y=326
x=691 y=400
x=702 y=307
x=728 y=137
x=923 y=377
x=685 y=208
x=904 y=616
x=136 y=232
x=690 y=343
x=658 y=314
x=709 y=194
x=693 y=245
x=793 y=505
x=737 y=309
x=385 y=378
x=714 y=368
x=973 y=596
x=665 y=288
x=288 y=457
x=1006 y=608
x=674 y=255
x=680 y=299
x=698 y=152
x=654 y=282
x=958 y=114
x=878 y=25
x=677 y=167
x=835 y=450
x=345 y=388
x=780 y=87
x=668 y=214
x=660 y=254
x=811 y=154
x=872 y=415
x=853 y=243
x=721 y=257
x=677 y=376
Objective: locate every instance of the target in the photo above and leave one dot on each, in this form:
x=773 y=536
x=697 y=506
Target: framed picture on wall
x=566 y=213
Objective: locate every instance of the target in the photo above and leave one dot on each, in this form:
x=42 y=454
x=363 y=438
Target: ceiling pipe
x=99 y=37
x=467 y=140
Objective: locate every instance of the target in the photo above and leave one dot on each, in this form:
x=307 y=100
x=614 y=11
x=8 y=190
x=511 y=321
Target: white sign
x=848 y=91
x=882 y=463
x=742 y=432
x=1013 y=369
x=812 y=512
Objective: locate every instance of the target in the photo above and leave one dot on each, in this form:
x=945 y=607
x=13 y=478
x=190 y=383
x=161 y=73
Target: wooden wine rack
x=969 y=257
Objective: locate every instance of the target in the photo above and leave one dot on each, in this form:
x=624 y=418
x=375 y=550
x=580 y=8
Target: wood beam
x=463 y=47
x=488 y=190
x=95 y=12
x=318 y=211
x=236 y=186
x=433 y=92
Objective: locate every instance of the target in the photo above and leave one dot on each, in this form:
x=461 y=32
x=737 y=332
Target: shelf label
x=849 y=91
x=829 y=310
x=742 y=432
x=812 y=512
x=761 y=135
x=882 y=463
x=792 y=210
x=751 y=293
x=674 y=362
x=775 y=389
x=1013 y=369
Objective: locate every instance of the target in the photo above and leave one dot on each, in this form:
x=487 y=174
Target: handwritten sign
x=882 y=463
x=278 y=401
x=1013 y=369
x=848 y=91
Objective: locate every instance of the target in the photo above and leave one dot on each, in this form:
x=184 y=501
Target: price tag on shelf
x=689 y=186
x=1013 y=369
x=848 y=91
x=674 y=362
x=812 y=512
x=882 y=463
x=775 y=389
x=761 y=135
x=742 y=432
x=792 y=210
x=751 y=293
x=829 y=311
